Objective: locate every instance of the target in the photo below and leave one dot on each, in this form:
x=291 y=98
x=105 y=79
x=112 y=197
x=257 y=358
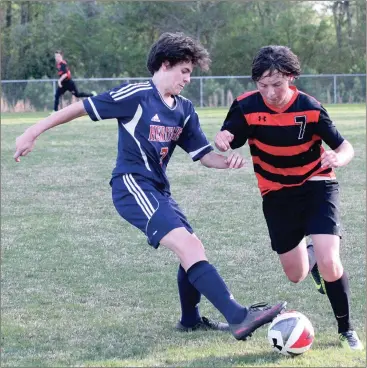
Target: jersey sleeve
x=236 y=124
x=113 y=104
x=327 y=131
x=192 y=139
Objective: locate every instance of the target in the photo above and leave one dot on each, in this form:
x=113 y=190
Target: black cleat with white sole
x=257 y=315
x=204 y=324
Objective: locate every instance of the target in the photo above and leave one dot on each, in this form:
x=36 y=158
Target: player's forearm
x=214 y=160
x=345 y=153
x=63 y=116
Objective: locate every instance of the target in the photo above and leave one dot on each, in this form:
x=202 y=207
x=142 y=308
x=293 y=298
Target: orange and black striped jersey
x=62 y=68
x=286 y=144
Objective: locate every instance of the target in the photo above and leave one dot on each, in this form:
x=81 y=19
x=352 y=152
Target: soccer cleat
x=204 y=324
x=350 y=340
x=257 y=315
x=318 y=280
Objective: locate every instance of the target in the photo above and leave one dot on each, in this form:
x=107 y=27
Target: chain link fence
x=218 y=91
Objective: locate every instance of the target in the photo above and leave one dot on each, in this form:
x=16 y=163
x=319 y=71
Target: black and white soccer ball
x=291 y=333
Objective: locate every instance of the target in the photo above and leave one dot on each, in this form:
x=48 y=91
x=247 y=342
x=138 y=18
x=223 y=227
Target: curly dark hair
x=273 y=58
x=177 y=48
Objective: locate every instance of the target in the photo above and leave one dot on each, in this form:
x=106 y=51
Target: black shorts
x=68 y=85
x=294 y=212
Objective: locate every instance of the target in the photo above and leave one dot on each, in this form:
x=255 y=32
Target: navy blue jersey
x=149 y=129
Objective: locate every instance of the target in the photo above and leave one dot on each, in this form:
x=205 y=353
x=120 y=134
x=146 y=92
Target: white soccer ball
x=291 y=333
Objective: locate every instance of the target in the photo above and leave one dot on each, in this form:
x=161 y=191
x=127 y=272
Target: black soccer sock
x=338 y=293
x=205 y=278
x=83 y=94
x=189 y=299
x=311 y=256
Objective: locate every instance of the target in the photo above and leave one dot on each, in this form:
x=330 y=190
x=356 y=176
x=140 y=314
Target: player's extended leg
x=204 y=277
x=326 y=248
x=140 y=203
x=74 y=90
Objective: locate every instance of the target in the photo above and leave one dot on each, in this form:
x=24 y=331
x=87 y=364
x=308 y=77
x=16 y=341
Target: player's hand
x=235 y=161
x=59 y=84
x=330 y=159
x=23 y=145
x=223 y=140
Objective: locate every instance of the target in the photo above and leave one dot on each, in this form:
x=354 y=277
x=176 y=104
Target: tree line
x=112 y=38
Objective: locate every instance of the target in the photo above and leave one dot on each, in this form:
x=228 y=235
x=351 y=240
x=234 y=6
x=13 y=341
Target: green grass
x=80 y=287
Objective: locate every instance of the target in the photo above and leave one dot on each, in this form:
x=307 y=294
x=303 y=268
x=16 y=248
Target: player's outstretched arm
x=341 y=156
x=217 y=161
x=25 y=143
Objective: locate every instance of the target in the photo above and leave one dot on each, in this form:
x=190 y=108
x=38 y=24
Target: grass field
x=81 y=288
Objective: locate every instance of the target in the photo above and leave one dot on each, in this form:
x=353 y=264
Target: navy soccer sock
x=189 y=298
x=205 y=278
x=339 y=293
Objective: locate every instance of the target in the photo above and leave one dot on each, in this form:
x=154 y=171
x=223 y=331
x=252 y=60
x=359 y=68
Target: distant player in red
x=65 y=83
x=285 y=129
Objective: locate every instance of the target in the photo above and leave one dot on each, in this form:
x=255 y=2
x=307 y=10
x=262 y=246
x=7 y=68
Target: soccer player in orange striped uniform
x=65 y=83
x=285 y=129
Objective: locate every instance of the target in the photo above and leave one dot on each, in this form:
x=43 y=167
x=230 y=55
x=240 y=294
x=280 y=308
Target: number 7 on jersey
x=302 y=121
x=164 y=151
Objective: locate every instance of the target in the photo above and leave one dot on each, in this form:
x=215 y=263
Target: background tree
x=111 y=39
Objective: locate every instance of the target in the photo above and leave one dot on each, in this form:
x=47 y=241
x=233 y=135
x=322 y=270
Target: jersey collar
x=161 y=98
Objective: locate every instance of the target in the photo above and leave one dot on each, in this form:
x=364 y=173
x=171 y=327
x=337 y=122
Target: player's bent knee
x=330 y=269
x=295 y=271
x=295 y=276
x=327 y=263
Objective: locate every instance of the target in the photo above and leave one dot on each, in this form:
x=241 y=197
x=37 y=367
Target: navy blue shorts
x=141 y=203
x=295 y=212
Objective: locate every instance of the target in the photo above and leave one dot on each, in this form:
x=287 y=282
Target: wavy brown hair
x=177 y=48
x=275 y=58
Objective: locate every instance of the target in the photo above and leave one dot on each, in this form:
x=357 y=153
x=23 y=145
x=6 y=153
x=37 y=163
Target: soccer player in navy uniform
x=65 y=83
x=152 y=120
x=285 y=129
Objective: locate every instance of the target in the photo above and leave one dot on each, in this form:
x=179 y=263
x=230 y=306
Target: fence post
x=201 y=92
x=335 y=89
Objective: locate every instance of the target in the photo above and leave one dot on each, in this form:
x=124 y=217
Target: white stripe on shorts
x=142 y=193
x=139 y=195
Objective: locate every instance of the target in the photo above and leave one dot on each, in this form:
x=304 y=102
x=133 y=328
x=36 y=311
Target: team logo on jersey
x=160 y=133
x=156 y=118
